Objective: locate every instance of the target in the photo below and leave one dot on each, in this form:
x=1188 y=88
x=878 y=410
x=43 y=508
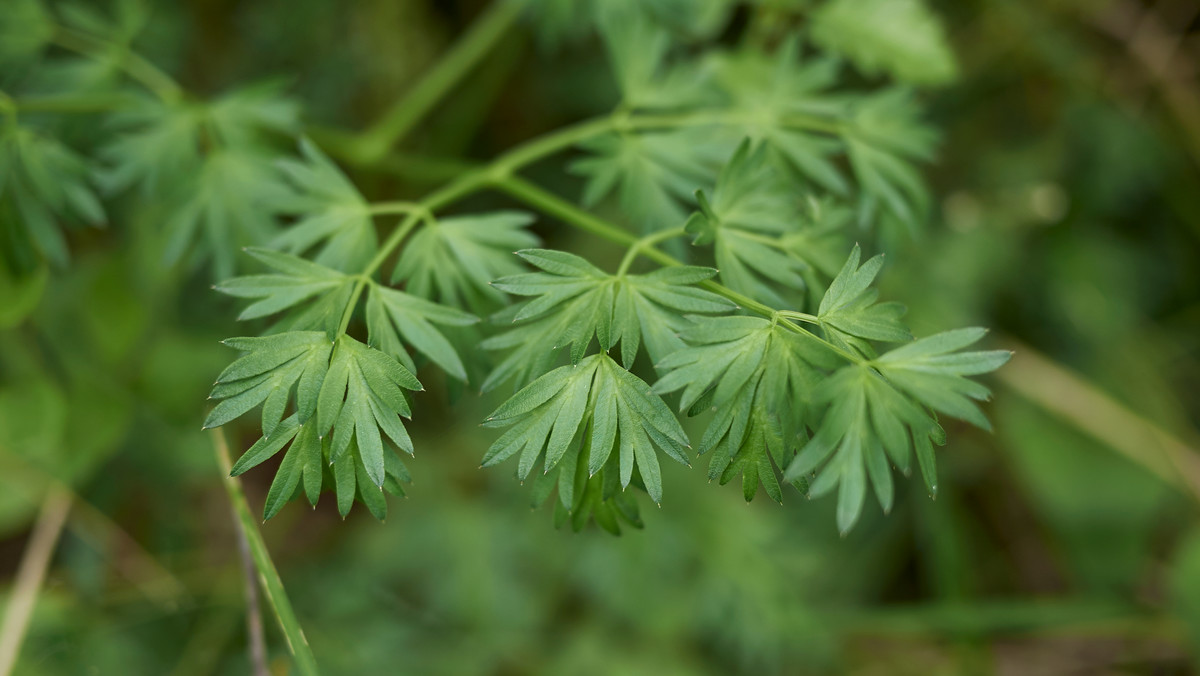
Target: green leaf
x=653 y=174
x=750 y=211
x=932 y=372
x=883 y=137
x=572 y=301
x=345 y=386
x=572 y=417
x=454 y=260
x=776 y=87
x=211 y=165
x=848 y=310
x=868 y=423
x=900 y=37
x=637 y=50
x=757 y=377
x=43 y=186
x=395 y=318
x=296 y=281
x=329 y=211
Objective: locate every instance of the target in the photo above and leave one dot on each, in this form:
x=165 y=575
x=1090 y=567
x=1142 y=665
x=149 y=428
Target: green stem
x=802 y=316
x=384 y=208
x=96 y=103
x=640 y=245
x=136 y=67
x=306 y=663
x=398 y=121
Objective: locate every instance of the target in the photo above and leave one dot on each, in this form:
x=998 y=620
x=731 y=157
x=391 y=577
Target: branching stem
x=133 y=65
x=399 y=120
x=647 y=241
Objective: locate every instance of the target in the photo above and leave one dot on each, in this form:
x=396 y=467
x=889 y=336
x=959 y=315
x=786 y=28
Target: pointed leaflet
x=330 y=212
x=295 y=281
x=883 y=138
x=637 y=50
x=774 y=88
x=750 y=210
x=390 y=311
x=933 y=373
x=757 y=375
x=577 y=415
x=901 y=37
x=875 y=415
x=43 y=185
x=209 y=162
x=848 y=310
x=572 y=301
x=346 y=387
x=454 y=260
x=653 y=174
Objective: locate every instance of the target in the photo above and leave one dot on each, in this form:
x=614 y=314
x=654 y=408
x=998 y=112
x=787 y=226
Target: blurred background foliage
x=1067 y=542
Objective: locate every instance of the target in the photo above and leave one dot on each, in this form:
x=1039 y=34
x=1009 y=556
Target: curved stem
x=640 y=245
x=399 y=120
x=30 y=575
x=384 y=208
x=268 y=575
x=94 y=103
x=136 y=67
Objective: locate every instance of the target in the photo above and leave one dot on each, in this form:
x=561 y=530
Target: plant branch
x=640 y=245
x=399 y=120
x=133 y=65
x=268 y=576
x=254 y=625
x=31 y=573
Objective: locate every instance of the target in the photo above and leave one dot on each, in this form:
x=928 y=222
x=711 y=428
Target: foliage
x=748 y=138
x=707 y=187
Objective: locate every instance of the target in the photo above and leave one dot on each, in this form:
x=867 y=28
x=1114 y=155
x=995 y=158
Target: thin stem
x=553 y=205
x=257 y=643
x=802 y=316
x=95 y=103
x=640 y=245
x=30 y=574
x=133 y=65
x=383 y=208
x=306 y=663
x=398 y=121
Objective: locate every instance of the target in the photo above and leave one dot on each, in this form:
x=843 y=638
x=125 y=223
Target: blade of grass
x=1080 y=403
x=272 y=585
x=30 y=574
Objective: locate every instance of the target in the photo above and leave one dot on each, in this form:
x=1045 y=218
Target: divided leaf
x=592 y=421
x=330 y=211
x=901 y=37
x=932 y=372
x=751 y=208
x=883 y=139
x=454 y=260
x=756 y=376
x=653 y=174
x=344 y=387
x=395 y=318
x=849 y=314
x=878 y=414
x=574 y=301
x=296 y=281
x=43 y=185
x=211 y=164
